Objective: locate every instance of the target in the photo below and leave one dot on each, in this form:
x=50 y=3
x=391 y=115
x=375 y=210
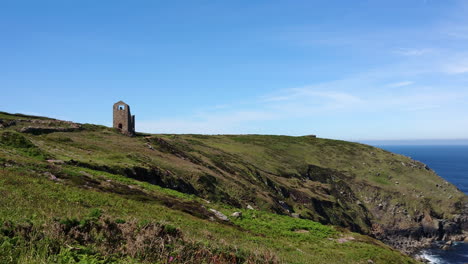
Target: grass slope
x=167 y=181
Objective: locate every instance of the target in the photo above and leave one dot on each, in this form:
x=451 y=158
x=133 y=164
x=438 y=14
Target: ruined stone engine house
x=123 y=120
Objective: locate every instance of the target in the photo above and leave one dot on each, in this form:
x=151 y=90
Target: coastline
x=439 y=235
x=439 y=254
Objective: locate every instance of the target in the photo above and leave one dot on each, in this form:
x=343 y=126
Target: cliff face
x=398 y=200
x=365 y=189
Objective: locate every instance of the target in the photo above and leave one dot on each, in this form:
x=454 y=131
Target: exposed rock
x=345 y=239
x=44 y=130
x=301 y=231
x=250 y=207
x=330 y=211
x=236 y=214
x=153 y=175
x=430 y=226
x=430 y=229
x=220 y=215
x=5 y=124
x=55 y=161
x=286 y=206
x=149 y=146
x=295 y=215
x=51 y=176
x=421 y=259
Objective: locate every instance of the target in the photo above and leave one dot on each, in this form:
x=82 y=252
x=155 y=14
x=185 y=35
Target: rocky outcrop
x=154 y=175
x=344 y=209
x=341 y=206
x=7 y=123
x=389 y=221
x=40 y=126
x=424 y=229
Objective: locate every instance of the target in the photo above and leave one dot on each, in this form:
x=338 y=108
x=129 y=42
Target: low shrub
x=100 y=240
x=17 y=141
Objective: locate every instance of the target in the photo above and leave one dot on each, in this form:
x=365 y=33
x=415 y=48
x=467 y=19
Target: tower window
x=121 y=107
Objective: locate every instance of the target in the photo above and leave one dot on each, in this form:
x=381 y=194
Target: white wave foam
x=433 y=259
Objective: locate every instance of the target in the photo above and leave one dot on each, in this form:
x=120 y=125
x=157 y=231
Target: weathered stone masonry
x=123 y=120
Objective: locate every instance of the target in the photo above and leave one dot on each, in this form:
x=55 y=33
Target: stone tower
x=123 y=120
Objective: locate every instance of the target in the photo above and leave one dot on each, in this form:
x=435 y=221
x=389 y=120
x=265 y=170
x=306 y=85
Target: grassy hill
x=72 y=193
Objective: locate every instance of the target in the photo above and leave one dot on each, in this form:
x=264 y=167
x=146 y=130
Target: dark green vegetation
x=87 y=194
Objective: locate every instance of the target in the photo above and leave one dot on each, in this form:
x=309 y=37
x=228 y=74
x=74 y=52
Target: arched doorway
x=120 y=126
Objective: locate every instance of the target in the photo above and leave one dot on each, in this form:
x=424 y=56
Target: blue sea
x=451 y=163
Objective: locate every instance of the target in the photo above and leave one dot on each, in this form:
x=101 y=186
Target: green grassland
x=97 y=178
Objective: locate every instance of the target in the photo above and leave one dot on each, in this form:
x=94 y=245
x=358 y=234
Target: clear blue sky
x=339 y=69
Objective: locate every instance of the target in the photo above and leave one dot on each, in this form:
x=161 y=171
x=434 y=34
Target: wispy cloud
x=458 y=68
x=286 y=104
x=310 y=92
x=312 y=102
x=212 y=122
x=412 y=52
x=369 y=99
x=400 y=84
x=458 y=32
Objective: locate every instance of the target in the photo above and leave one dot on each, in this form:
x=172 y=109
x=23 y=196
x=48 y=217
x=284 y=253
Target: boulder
x=236 y=214
x=295 y=215
x=219 y=215
x=421 y=259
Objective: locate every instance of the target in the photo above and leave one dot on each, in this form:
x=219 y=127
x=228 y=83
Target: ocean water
x=451 y=163
x=457 y=254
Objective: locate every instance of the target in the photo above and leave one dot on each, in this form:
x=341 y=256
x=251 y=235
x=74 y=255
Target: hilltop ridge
x=299 y=197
